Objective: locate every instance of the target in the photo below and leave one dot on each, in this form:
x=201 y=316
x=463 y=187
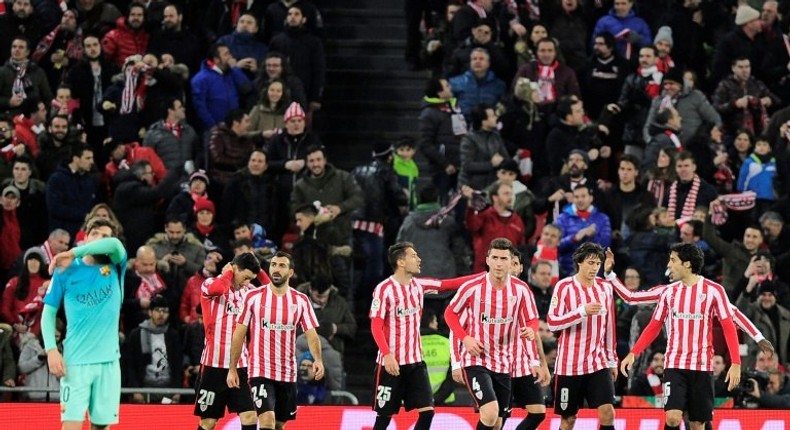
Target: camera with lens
x=742 y=392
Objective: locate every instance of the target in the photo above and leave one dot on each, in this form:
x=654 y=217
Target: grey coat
x=173 y=151
x=333 y=363
x=433 y=241
x=693 y=107
x=477 y=148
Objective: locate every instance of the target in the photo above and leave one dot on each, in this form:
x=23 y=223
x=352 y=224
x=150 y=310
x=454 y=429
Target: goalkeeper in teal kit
x=88 y=281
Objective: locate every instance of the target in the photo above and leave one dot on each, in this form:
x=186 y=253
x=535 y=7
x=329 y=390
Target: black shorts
x=212 y=394
x=570 y=392
x=486 y=386
x=411 y=387
x=270 y=395
x=690 y=391
x=526 y=392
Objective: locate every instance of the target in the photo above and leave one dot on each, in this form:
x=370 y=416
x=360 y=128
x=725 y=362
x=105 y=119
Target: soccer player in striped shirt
x=395 y=313
x=497 y=305
x=526 y=385
x=652 y=296
x=687 y=307
x=89 y=285
x=582 y=311
x=272 y=314
x=221 y=299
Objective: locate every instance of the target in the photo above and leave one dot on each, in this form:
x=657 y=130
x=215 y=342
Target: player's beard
x=279 y=284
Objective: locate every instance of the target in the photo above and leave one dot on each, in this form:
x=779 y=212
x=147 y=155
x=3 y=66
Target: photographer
x=309 y=390
x=775 y=394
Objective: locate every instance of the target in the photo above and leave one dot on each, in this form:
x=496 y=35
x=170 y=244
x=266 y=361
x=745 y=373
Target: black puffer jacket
x=437 y=141
x=634 y=103
x=383 y=194
x=251 y=199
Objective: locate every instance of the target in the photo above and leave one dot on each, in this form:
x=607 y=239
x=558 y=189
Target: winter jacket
x=707 y=193
x=649 y=251
x=693 y=107
x=458 y=62
x=136 y=361
x=435 y=240
x=264 y=118
x=758 y=176
x=173 y=151
x=190 y=298
x=70 y=196
x=732 y=45
x=182 y=206
x=570 y=223
x=659 y=140
x=252 y=199
x=523 y=204
x=477 y=148
x=7 y=363
x=228 y=152
x=735 y=257
x=183 y=45
x=305 y=53
x=123 y=42
x=487 y=225
x=135 y=152
x=762 y=321
x=100 y=19
x=214 y=94
x=35 y=83
x=337 y=312
x=333 y=361
x=634 y=103
x=11 y=26
x=729 y=90
x=26 y=311
x=565 y=81
x=615 y=24
x=471 y=91
x=31 y=212
x=80 y=79
x=136 y=204
x=383 y=194
x=192 y=250
x=35 y=371
x=571 y=31
x=562 y=139
x=277 y=11
x=245 y=45
x=334 y=187
x=284 y=148
x=440 y=145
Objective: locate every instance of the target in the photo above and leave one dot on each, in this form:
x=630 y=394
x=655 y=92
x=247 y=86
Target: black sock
x=669 y=427
x=382 y=422
x=609 y=427
x=481 y=426
x=200 y=427
x=531 y=421
x=424 y=420
x=249 y=427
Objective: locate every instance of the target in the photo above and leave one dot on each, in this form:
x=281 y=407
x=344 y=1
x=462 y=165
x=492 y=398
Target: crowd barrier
x=41 y=416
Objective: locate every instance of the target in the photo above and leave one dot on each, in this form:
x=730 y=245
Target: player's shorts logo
x=563 y=405
x=203 y=407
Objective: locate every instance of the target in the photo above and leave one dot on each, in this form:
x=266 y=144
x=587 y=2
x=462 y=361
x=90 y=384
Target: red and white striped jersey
x=586 y=343
x=494 y=317
x=687 y=313
x=220 y=304
x=272 y=321
x=652 y=295
x=400 y=306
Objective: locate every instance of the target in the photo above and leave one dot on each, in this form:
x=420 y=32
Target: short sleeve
x=245 y=316
x=309 y=320
x=56 y=290
x=378 y=307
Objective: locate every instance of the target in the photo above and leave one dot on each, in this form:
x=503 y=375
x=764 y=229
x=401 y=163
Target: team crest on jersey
x=382 y=403
x=293 y=307
x=105 y=270
x=563 y=405
x=376 y=305
x=479 y=395
x=701 y=296
x=511 y=300
x=258 y=402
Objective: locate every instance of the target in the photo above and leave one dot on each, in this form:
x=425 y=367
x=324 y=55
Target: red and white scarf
x=653 y=87
x=674 y=138
x=550 y=255
x=691 y=198
x=73 y=45
x=655 y=382
x=149 y=286
x=481 y=13
x=133 y=95
x=546 y=88
x=18 y=87
x=48 y=254
x=664 y=64
x=623 y=36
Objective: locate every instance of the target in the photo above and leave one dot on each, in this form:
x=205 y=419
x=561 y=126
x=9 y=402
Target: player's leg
x=417 y=393
x=599 y=392
x=567 y=398
x=75 y=391
x=105 y=397
x=388 y=395
x=479 y=383
x=701 y=399
x=264 y=398
x=502 y=388
x=527 y=394
x=676 y=392
x=240 y=402
x=284 y=403
x=211 y=396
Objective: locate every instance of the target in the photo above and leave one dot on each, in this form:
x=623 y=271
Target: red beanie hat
x=204 y=204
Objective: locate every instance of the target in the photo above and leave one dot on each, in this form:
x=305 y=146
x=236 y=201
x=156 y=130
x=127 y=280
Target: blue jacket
x=614 y=24
x=70 y=196
x=571 y=223
x=471 y=92
x=758 y=177
x=215 y=94
x=245 y=45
